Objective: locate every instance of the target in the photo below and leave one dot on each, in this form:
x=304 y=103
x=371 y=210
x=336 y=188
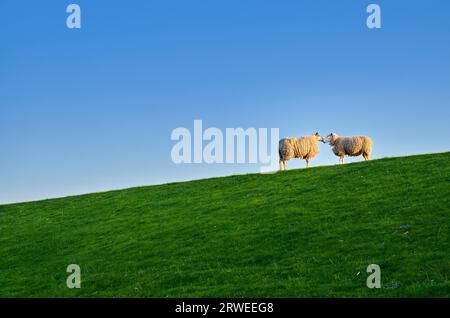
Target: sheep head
x=318 y=137
x=330 y=138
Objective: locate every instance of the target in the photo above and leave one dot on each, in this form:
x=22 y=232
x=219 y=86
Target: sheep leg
x=366 y=156
x=284 y=164
x=341 y=160
x=280 y=165
x=307 y=163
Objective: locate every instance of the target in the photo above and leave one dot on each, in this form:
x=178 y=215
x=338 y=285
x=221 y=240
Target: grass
x=303 y=233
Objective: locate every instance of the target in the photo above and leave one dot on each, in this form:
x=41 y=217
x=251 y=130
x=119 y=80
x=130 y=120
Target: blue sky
x=93 y=109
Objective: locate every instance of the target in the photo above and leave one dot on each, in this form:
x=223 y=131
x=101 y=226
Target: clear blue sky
x=93 y=109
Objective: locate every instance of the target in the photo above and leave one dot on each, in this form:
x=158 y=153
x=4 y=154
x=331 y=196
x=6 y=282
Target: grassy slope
x=300 y=233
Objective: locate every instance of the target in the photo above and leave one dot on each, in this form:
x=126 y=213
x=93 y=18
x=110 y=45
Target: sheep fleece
x=352 y=146
x=303 y=148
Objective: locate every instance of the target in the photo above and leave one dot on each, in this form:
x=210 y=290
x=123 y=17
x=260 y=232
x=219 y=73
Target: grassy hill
x=307 y=232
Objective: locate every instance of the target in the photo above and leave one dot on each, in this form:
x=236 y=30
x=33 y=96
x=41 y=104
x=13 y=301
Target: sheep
x=303 y=148
x=350 y=146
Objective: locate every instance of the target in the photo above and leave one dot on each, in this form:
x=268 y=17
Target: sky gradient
x=93 y=109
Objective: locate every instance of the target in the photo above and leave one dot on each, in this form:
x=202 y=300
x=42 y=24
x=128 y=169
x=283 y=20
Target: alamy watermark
x=74 y=279
x=374 y=279
x=73 y=21
x=235 y=146
x=374 y=19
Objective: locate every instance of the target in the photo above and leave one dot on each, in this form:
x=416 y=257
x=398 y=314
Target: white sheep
x=350 y=146
x=303 y=148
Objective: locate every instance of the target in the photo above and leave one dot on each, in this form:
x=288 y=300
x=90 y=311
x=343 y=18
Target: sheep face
x=330 y=138
x=318 y=136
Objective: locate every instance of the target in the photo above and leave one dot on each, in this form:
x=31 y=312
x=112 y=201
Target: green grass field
x=303 y=233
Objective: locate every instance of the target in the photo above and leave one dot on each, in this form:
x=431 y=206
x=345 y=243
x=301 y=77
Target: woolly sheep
x=303 y=148
x=350 y=146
